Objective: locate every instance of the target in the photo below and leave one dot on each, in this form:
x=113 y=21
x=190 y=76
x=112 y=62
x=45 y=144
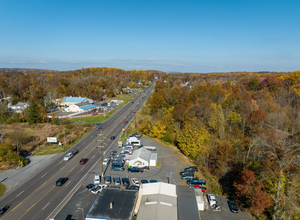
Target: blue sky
x=187 y=36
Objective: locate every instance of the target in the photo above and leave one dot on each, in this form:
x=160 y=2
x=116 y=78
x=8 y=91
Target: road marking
x=43 y=175
x=20 y=193
x=46 y=205
x=67 y=183
x=93 y=157
x=84 y=142
x=60 y=162
x=82 y=168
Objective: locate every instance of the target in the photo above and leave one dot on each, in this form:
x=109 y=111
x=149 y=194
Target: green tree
x=33 y=113
x=253 y=85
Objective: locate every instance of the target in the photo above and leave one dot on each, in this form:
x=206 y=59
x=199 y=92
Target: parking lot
x=169 y=163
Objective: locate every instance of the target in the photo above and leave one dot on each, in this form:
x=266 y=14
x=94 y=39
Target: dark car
x=196 y=182
x=153 y=181
x=233 y=207
x=186 y=172
x=118 y=168
x=143 y=181
x=132 y=187
x=107 y=179
x=125 y=181
x=90 y=186
x=61 y=181
x=75 y=152
x=112 y=137
x=191 y=169
x=187 y=177
x=117 y=164
x=117 y=181
x=125 y=122
x=135 y=169
x=83 y=161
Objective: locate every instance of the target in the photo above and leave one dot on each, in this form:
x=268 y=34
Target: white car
x=98 y=188
x=211 y=199
x=68 y=156
x=105 y=161
x=97 y=179
x=135 y=181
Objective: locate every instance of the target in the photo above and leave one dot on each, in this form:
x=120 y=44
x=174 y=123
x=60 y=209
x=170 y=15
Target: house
x=134 y=141
x=19 y=107
x=81 y=107
x=141 y=158
x=113 y=203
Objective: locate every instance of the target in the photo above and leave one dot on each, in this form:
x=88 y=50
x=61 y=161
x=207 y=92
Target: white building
x=134 y=141
x=67 y=101
x=141 y=158
x=19 y=107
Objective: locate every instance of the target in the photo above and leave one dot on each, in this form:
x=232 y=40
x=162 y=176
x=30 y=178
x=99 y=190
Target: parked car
x=107 y=179
x=98 y=188
x=135 y=169
x=125 y=181
x=132 y=187
x=186 y=172
x=187 y=177
x=118 y=168
x=61 y=181
x=233 y=207
x=196 y=182
x=135 y=181
x=211 y=199
x=112 y=137
x=203 y=189
x=90 y=186
x=83 y=161
x=97 y=179
x=68 y=156
x=143 y=181
x=153 y=181
x=117 y=181
x=105 y=161
x=119 y=164
x=191 y=168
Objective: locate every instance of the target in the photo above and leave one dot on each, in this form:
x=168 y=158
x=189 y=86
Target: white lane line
x=67 y=183
x=20 y=193
x=44 y=175
x=93 y=157
x=46 y=205
x=84 y=142
x=60 y=162
x=82 y=168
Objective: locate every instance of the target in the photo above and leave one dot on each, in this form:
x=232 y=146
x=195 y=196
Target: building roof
x=122 y=201
x=159 y=201
x=73 y=99
x=187 y=205
x=88 y=107
x=141 y=153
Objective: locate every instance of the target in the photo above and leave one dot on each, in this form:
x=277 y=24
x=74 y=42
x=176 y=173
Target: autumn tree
x=33 y=113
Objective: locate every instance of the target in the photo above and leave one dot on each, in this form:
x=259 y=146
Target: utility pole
x=170 y=177
x=101 y=149
x=18 y=151
x=65 y=135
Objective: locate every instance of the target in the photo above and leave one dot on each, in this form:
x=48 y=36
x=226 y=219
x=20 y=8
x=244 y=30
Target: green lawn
x=2 y=189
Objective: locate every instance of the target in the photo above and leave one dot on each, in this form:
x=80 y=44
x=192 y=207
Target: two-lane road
x=39 y=198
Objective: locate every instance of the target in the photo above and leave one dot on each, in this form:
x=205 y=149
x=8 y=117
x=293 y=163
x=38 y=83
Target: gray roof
x=141 y=153
x=187 y=204
x=123 y=204
x=157 y=206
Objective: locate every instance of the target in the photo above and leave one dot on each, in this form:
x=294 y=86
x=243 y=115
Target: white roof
x=141 y=153
x=158 y=188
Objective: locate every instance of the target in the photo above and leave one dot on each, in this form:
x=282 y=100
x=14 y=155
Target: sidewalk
x=14 y=177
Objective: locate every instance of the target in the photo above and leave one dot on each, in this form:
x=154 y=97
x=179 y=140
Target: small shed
x=153 y=159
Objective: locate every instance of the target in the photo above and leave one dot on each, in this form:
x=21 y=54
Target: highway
x=39 y=197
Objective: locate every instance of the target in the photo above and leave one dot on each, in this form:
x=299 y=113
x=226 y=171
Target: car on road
x=187 y=177
x=125 y=122
x=125 y=181
x=135 y=169
x=117 y=181
x=83 y=161
x=143 y=181
x=132 y=187
x=112 y=137
x=153 y=181
x=135 y=181
x=107 y=179
x=98 y=188
x=90 y=186
x=118 y=168
x=233 y=207
x=211 y=199
x=97 y=179
x=61 y=181
x=105 y=161
x=68 y=156
x=196 y=182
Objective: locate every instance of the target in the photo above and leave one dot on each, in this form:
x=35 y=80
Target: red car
x=125 y=122
x=203 y=189
x=83 y=161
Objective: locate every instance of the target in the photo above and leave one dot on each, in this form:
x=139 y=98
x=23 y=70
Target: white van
x=97 y=179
